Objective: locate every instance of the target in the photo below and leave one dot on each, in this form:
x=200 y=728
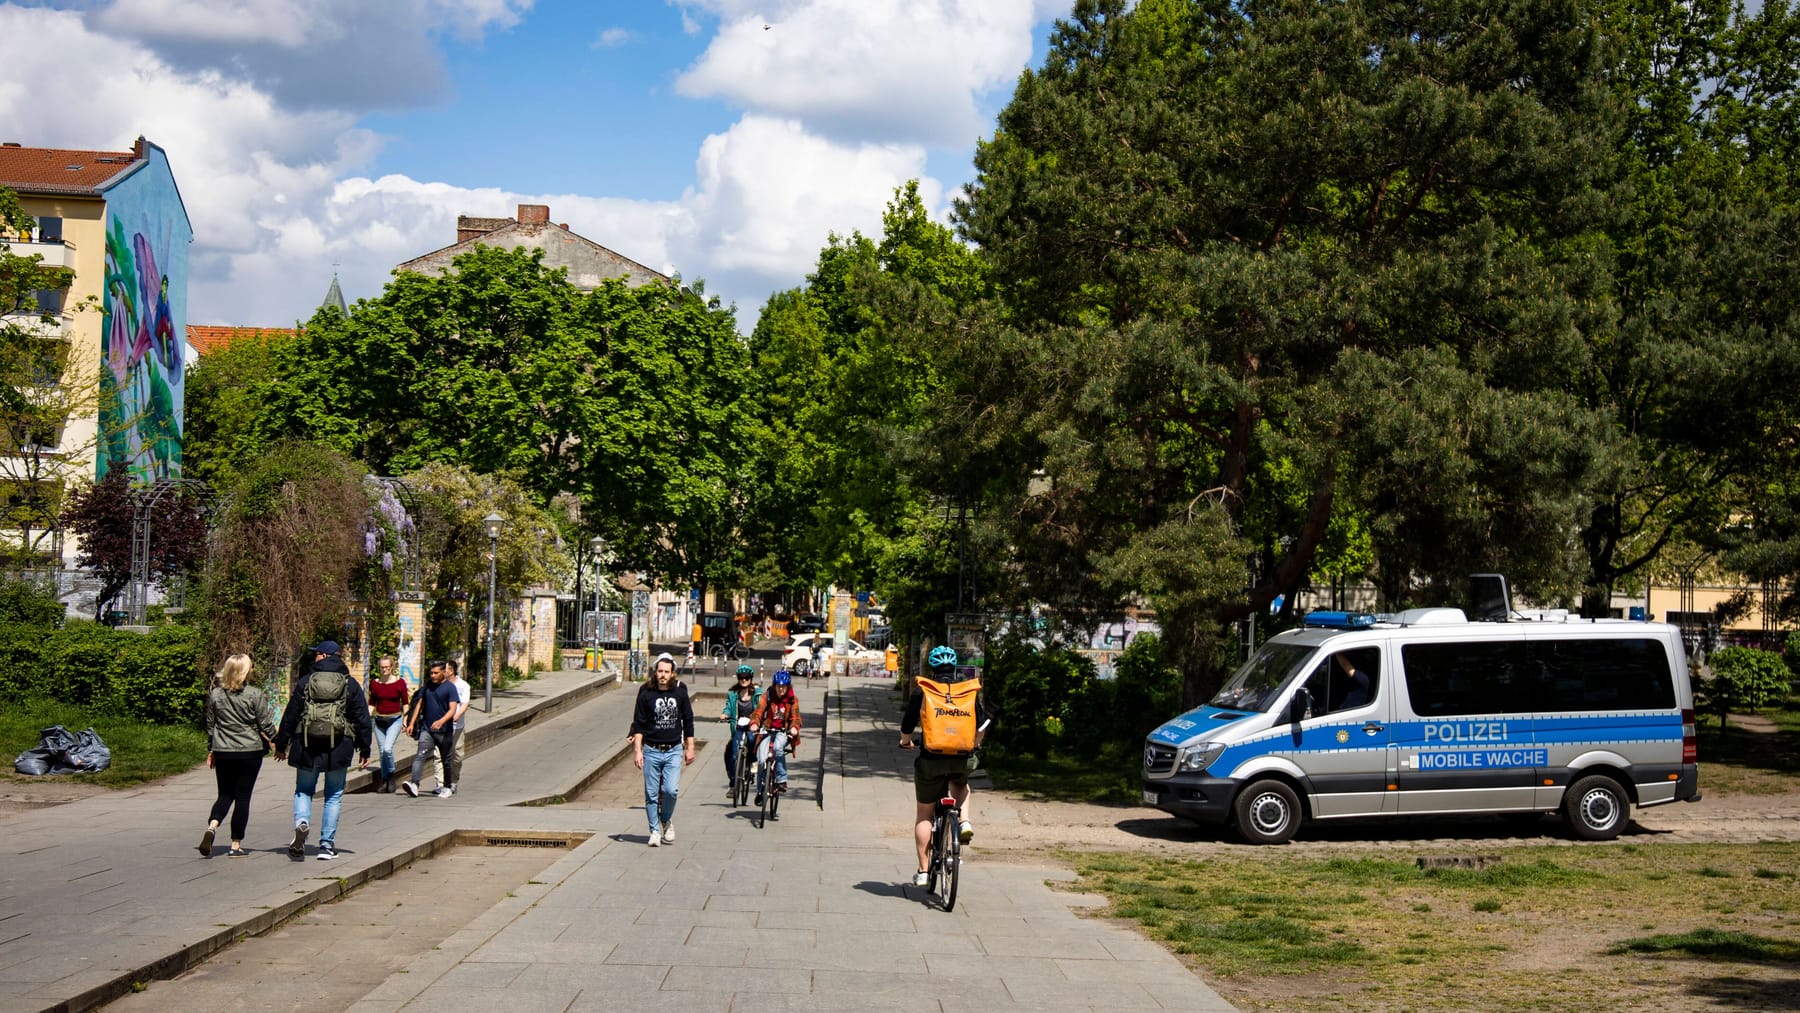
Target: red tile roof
x=61 y=170
x=209 y=339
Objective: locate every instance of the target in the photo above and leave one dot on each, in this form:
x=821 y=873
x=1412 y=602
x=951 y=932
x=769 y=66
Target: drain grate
x=526 y=842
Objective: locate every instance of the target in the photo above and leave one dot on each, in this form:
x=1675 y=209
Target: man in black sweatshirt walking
x=662 y=740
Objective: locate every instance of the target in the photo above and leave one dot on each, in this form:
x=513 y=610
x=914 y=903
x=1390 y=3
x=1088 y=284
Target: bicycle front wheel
x=768 y=794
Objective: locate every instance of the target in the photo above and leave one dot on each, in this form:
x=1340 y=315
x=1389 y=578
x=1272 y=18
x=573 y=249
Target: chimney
x=530 y=214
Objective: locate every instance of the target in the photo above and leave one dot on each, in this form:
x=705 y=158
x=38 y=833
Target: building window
x=50 y=301
x=50 y=229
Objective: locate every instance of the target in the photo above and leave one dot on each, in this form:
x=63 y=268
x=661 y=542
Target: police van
x=1428 y=713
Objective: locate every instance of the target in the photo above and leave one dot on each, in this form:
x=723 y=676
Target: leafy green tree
x=1700 y=343
x=1744 y=679
x=627 y=397
x=1247 y=256
x=102 y=516
x=225 y=406
x=41 y=389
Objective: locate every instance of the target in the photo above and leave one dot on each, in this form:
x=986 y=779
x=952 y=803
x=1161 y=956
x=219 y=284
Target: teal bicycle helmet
x=941 y=657
x=746 y=672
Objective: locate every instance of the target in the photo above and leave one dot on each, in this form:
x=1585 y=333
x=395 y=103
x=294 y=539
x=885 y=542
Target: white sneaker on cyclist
x=921 y=878
x=966 y=831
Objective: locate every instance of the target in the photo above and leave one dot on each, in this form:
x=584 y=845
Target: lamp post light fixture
x=492 y=522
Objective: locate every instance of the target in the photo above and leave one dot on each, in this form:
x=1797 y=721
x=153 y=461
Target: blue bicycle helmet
x=941 y=657
x=782 y=678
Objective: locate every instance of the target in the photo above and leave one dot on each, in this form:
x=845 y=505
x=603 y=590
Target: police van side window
x=1480 y=677
x=1596 y=674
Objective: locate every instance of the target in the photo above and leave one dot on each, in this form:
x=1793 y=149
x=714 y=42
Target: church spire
x=334 y=297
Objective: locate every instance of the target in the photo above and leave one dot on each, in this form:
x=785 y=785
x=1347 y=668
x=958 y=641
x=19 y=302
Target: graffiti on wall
x=141 y=348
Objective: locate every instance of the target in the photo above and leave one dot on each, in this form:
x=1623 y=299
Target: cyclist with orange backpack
x=952 y=718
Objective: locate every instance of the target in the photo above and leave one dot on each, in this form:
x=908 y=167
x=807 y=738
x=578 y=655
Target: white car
x=802 y=648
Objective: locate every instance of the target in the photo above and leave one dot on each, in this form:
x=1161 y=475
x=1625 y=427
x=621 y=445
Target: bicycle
x=945 y=869
x=720 y=653
x=745 y=774
x=771 y=798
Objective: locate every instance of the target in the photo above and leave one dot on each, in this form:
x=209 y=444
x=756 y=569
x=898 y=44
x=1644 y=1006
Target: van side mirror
x=1300 y=707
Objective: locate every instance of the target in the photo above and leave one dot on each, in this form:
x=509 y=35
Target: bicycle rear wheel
x=952 y=862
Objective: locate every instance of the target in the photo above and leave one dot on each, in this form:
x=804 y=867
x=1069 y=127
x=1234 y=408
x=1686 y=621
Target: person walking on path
x=326 y=720
x=662 y=740
x=740 y=702
x=434 y=724
x=388 y=696
x=455 y=679
x=239 y=729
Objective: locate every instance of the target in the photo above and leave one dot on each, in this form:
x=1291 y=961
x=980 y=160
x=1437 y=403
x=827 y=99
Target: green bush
x=79 y=664
x=31 y=603
x=1791 y=653
x=1149 y=692
x=159 y=678
x=1744 y=679
x=22 y=672
x=156 y=677
x=1023 y=686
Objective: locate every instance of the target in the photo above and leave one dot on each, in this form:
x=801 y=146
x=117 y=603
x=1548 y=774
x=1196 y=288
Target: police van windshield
x=1258 y=684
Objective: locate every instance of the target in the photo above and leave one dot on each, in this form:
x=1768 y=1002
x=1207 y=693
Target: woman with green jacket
x=239 y=727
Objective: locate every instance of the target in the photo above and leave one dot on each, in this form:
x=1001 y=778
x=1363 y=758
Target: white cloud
x=912 y=69
x=612 y=38
x=277 y=186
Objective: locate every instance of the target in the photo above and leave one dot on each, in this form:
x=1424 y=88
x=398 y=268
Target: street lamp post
x=492 y=523
x=595 y=547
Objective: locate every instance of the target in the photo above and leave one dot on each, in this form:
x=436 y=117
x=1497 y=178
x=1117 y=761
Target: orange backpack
x=947 y=716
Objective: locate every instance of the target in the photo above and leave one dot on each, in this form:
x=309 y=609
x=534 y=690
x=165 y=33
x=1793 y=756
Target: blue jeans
x=384 y=744
x=777 y=741
x=305 y=781
x=662 y=785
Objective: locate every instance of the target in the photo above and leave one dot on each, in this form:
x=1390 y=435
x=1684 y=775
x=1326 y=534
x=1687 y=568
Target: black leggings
x=236 y=774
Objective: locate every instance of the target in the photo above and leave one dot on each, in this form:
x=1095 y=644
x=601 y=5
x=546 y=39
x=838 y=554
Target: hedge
x=154 y=677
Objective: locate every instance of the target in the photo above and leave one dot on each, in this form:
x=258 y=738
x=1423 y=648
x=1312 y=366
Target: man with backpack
x=326 y=719
x=952 y=718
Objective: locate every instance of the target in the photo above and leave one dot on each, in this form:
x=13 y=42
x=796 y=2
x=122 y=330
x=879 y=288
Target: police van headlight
x=1199 y=757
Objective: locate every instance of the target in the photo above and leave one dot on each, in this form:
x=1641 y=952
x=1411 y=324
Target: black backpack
x=327 y=707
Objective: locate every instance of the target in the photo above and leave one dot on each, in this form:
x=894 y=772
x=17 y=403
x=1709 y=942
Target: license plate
x=1151 y=798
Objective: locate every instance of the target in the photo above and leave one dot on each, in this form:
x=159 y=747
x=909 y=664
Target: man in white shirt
x=445 y=789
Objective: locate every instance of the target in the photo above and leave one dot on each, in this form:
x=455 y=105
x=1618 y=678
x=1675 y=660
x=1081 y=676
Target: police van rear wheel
x=1596 y=808
x=1268 y=812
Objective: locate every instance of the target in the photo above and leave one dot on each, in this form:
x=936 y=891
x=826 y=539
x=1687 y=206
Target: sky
x=720 y=140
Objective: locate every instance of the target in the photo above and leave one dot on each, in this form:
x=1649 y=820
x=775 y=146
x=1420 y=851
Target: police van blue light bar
x=1339 y=620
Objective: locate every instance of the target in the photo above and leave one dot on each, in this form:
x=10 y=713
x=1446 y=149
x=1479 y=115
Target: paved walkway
x=807 y=913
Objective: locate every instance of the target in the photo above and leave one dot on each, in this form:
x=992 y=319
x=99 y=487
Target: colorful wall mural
x=145 y=306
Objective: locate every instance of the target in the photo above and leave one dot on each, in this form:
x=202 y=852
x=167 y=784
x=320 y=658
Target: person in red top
x=388 y=693
x=779 y=717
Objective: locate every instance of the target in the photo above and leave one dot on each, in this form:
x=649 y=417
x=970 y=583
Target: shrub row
x=154 y=677
x=1050 y=698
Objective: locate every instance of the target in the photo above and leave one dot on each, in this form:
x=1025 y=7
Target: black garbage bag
x=60 y=751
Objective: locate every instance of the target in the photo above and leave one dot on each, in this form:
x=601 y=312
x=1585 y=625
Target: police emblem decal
x=1343 y=736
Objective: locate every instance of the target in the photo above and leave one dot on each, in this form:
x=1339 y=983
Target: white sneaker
x=921 y=878
x=668 y=835
x=411 y=789
x=967 y=830
x=655 y=838
x=444 y=792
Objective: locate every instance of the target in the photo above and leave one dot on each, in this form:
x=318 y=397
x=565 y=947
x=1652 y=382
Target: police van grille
x=1159 y=759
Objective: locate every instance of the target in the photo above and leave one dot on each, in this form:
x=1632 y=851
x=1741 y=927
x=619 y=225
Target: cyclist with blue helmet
x=777 y=721
x=937 y=775
x=740 y=701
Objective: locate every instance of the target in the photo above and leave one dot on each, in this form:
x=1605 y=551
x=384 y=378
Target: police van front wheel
x=1268 y=812
x=1596 y=808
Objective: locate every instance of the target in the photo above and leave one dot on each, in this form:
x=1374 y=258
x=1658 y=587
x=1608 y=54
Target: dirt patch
x=21 y=794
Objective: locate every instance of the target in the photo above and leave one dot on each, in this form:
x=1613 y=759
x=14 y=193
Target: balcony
x=55 y=254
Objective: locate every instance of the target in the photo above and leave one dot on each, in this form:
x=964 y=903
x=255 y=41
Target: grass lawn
x=1110 y=780
x=140 y=752
x=1555 y=927
x=1756 y=754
